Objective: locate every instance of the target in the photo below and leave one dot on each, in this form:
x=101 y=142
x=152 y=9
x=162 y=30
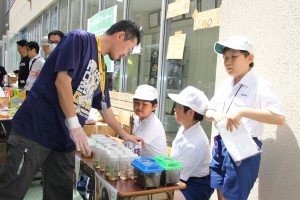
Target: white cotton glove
x=78 y=135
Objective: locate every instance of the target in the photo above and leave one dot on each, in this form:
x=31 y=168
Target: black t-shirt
x=2 y=73
x=23 y=71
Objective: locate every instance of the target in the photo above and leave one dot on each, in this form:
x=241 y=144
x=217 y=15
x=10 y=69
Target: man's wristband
x=72 y=122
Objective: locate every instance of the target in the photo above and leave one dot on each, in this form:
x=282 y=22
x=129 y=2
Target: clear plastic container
x=108 y=152
x=172 y=168
x=91 y=143
x=147 y=172
x=131 y=168
x=102 y=158
x=124 y=166
x=97 y=156
x=113 y=167
x=135 y=148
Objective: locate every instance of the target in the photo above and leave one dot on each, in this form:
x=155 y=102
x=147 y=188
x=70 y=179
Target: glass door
x=142 y=65
x=197 y=68
x=115 y=76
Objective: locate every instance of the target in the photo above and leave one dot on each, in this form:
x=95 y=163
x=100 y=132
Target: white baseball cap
x=193 y=98
x=45 y=41
x=145 y=92
x=235 y=42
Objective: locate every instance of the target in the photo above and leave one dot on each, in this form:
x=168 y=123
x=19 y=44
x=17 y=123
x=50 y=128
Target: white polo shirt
x=1 y=92
x=191 y=148
x=37 y=65
x=252 y=92
x=153 y=133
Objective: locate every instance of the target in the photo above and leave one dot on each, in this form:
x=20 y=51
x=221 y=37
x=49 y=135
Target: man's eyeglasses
x=53 y=42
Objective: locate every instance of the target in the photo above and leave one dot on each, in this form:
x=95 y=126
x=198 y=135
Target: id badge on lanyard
x=102 y=70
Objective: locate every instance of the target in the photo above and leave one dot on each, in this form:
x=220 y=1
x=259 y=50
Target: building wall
x=2 y=18
x=24 y=11
x=274 y=28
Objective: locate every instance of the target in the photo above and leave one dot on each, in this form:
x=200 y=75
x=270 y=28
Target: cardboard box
x=12 y=78
x=4 y=101
x=99 y=128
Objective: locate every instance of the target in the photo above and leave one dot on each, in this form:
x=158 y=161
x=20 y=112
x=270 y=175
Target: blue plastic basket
x=146 y=165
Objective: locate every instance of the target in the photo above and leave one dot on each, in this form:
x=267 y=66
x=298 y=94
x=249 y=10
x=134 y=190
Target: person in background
x=191 y=145
x=45 y=46
x=242 y=98
x=54 y=37
x=1 y=95
x=147 y=125
x=2 y=75
x=116 y=76
x=47 y=128
x=23 y=71
x=35 y=65
x=131 y=76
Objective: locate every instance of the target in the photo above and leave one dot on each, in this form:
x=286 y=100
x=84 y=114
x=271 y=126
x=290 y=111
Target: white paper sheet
x=239 y=142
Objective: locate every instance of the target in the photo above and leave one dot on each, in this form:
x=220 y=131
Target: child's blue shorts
x=235 y=182
x=197 y=188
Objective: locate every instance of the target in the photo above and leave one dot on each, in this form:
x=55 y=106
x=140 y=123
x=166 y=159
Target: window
x=9 y=3
x=75 y=14
x=46 y=22
x=115 y=77
x=91 y=8
x=14 y=56
x=142 y=65
x=35 y=30
x=54 y=17
x=63 y=16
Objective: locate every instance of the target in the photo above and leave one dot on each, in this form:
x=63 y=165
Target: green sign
x=99 y=23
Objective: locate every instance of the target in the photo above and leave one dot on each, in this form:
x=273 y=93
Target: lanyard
x=33 y=63
x=101 y=66
x=231 y=99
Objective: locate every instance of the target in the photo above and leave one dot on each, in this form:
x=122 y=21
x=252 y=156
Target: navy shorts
x=197 y=188
x=235 y=182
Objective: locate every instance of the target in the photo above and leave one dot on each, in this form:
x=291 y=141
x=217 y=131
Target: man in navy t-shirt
x=48 y=126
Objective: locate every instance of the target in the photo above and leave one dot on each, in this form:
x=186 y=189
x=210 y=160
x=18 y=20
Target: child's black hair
x=197 y=116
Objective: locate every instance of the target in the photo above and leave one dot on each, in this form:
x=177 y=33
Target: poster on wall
x=103 y=190
x=207 y=19
x=99 y=23
x=178 y=7
x=176 y=46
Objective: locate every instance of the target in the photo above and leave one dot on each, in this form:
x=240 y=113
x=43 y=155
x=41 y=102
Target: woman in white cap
x=243 y=98
x=191 y=145
x=147 y=125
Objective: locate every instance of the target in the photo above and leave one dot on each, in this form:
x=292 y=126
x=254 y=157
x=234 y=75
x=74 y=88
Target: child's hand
x=233 y=120
x=218 y=117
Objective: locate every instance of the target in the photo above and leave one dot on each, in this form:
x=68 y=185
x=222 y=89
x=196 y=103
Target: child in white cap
x=191 y=145
x=147 y=125
x=242 y=98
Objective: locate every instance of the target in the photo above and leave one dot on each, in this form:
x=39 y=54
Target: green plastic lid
x=168 y=163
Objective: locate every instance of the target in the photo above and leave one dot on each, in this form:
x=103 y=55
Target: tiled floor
x=35 y=192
